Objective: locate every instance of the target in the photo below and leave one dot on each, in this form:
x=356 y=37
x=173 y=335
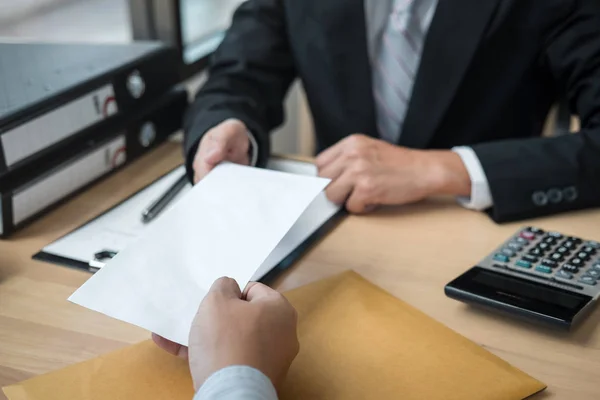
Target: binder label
x=68 y=179
x=54 y=126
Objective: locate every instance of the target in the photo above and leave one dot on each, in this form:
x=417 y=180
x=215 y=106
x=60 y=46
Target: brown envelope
x=357 y=342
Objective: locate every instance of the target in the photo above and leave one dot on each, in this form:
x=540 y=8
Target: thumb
x=226 y=287
x=229 y=136
x=256 y=291
x=216 y=154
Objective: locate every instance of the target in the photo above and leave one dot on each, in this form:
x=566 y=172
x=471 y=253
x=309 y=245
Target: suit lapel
x=453 y=38
x=347 y=44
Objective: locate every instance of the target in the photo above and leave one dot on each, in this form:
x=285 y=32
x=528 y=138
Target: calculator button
x=596 y=266
x=588 y=280
x=530 y=258
x=564 y=274
x=523 y=264
x=508 y=252
x=544 y=269
x=549 y=239
x=534 y=230
x=555 y=235
x=563 y=250
x=515 y=246
x=575 y=240
x=536 y=252
x=544 y=246
x=578 y=262
x=527 y=235
x=589 y=249
x=501 y=257
x=594 y=273
x=583 y=255
x=520 y=240
x=568 y=244
x=570 y=268
x=593 y=244
x=549 y=263
x=556 y=256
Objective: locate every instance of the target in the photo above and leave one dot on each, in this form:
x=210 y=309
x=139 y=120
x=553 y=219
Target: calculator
x=547 y=277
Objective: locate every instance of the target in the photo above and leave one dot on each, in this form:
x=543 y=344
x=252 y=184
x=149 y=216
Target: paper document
x=318 y=212
x=227 y=225
x=120 y=226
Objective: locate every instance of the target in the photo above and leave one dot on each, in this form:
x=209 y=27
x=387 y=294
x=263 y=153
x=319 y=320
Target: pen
x=163 y=201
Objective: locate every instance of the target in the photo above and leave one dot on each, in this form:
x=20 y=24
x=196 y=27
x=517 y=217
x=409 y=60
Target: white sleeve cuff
x=253 y=149
x=237 y=382
x=481 y=196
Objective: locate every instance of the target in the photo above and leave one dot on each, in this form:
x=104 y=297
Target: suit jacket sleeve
x=540 y=176
x=249 y=76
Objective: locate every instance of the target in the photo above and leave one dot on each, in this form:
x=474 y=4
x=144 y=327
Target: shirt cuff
x=253 y=151
x=237 y=382
x=481 y=196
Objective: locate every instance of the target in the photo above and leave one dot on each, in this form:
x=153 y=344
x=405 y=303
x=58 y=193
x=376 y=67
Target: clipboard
x=91 y=245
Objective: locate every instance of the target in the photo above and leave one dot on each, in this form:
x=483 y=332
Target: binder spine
x=105 y=99
x=59 y=124
x=94 y=159
x=47 y=191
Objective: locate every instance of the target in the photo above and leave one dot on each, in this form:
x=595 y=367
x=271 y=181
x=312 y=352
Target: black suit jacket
x=490 y=71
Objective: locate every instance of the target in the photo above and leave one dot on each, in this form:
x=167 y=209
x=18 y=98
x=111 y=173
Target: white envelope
x=227 y=225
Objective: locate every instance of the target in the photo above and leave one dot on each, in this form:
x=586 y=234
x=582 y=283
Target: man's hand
x=367 y=172
x=256 y=329
x=227 y=141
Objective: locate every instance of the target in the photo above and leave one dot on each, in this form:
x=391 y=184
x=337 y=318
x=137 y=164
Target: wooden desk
x=410 y=251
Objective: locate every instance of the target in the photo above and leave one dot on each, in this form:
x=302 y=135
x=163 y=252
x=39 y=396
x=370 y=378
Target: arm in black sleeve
x=535 y=177
x=249 y=76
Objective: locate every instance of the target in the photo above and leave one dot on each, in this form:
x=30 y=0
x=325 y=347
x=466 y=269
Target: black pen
x=159 y=204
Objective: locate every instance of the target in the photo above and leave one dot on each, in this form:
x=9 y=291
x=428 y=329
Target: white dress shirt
x=237 y=383
x=377 y=15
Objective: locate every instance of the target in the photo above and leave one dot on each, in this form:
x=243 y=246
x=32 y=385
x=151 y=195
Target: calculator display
x=521 y=293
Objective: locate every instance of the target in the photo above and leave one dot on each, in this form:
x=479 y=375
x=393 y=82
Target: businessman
x=241 y=345
x=414 y=98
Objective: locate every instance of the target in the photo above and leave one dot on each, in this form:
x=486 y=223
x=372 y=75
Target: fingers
x=247 y=289
x=350 y=144
x=339 y=190
x=360 y=202
x=227 y=288
x=257 y=291
x=227 y=141
x=329 y=155
x=334 y=169
x=170 y=347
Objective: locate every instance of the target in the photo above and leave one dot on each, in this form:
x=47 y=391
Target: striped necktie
x=396 y=64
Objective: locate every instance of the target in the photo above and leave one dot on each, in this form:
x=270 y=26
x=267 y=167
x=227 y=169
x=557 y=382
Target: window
x=66 y=21
x=202 y=22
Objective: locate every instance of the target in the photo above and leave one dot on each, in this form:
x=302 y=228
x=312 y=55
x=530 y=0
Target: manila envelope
x=356 y=342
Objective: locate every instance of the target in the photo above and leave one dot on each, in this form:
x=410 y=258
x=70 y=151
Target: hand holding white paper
x=227 y=225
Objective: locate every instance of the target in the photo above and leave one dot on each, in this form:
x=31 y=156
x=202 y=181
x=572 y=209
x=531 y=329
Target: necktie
x=396 y=64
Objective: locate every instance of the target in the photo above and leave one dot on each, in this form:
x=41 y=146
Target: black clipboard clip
x=100 y=259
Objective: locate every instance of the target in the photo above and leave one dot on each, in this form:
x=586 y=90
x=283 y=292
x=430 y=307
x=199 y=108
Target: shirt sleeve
x=481 y=196
x=253 y=149
x=236 y=383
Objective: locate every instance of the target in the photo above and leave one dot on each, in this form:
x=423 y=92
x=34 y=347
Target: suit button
x=554 y=196
x=570 y=194
x=540 y=199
